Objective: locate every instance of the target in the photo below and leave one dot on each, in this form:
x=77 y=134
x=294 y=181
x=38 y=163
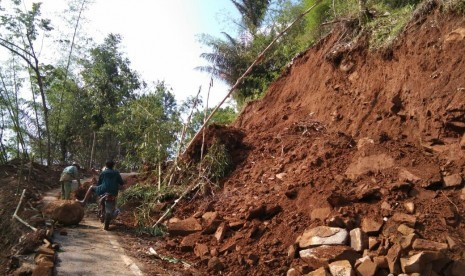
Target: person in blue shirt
x=109 y=182
x=67 y=176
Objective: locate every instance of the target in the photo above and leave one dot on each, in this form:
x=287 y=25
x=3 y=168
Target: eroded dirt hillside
x=362 y=142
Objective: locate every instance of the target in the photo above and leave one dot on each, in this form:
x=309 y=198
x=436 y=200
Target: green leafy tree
x=110 y=83
x=11 y=105
x=223 y=116
x=230 y=56
x=20 y=31
x=71 y=110
x=148 y=127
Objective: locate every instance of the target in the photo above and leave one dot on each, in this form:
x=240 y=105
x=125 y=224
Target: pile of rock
x=210 y=236
x=361 y=251
x=39 y=261
x=388 y=241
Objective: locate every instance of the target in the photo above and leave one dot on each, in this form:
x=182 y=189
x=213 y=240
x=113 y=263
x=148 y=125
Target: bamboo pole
x=175 y=203
x=249 y=69
x=205 y=117
x=183 y=133
x=15 y=215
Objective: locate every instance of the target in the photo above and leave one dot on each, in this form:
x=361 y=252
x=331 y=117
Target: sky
x=160 y=37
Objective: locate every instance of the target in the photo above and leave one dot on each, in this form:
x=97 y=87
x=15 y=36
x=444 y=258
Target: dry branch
x=176 y=203
x=16 y=212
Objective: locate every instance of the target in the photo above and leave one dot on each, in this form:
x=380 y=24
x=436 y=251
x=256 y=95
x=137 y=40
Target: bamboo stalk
x=183 y=133
x=175 y=203
x=16 y=212
x=205 y=117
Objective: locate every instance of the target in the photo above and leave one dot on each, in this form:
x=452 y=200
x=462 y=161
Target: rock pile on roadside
x=35 y=254
x=378 y=217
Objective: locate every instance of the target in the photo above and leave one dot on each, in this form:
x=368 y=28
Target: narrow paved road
x=87 y=249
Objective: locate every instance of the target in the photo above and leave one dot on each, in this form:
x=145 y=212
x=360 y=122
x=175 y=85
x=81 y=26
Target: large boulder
x=321 y=235
x=184 y=227
x=66 y=212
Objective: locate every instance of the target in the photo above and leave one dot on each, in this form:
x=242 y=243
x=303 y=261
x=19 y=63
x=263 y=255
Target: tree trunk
x=41 y=152
x=92 y=151
x=57 y=127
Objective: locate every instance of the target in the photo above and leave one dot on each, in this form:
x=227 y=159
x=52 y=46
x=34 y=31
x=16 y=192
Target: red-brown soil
x=36 y=179
x=344 y=128
x=344 y=135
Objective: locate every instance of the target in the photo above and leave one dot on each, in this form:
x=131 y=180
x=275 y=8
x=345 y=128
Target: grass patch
x=147 y=192
x=217 y=162
x=158 y=231
x=454 y=6
x=146 y=197
x=387 y=27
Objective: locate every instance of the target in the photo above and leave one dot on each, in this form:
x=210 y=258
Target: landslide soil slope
x=341 y=122
x=345 y=133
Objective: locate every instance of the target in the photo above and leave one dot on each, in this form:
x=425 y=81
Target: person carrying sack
x=67 y=176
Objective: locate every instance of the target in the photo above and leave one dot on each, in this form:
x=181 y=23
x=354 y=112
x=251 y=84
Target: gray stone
x=406 y=219
x=293 y=272
x=373 y=242
x=184 y=227
x=371 y=226
x=392 y=258
x=321 y=235
x=367 y=268
x=452 y=244
x=319 y=272
x=422 y=244
x=413 y=264
x=407 y=241
x=325 y=254
x=410 y=207
x=454 y=180
x=405 y=230
x=405 y=175
x=358 y=240
x=341 y=268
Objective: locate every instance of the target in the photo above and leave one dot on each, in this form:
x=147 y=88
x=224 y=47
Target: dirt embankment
x=14 y=177
x=349 y=139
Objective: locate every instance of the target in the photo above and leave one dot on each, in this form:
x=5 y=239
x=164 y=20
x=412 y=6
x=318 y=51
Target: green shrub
x=146 y=196
x=455 y=6
x=385 y=29
x=217 y=162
